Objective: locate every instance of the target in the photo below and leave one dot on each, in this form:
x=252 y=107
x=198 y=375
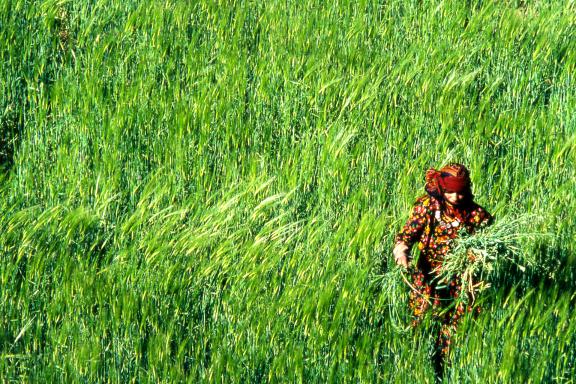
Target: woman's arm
x=411 y=231
x=481 y=218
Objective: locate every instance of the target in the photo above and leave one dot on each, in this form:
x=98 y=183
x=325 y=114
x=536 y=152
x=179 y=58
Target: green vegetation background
x=207 y=191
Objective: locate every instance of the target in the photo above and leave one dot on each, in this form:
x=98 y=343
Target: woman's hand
x=401 y=252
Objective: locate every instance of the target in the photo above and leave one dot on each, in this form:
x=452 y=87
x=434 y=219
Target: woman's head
x=451 y=184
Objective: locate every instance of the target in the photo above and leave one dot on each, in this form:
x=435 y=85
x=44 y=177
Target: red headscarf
x=453 y=178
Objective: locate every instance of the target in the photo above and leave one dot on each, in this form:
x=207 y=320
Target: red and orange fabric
x=450 y=178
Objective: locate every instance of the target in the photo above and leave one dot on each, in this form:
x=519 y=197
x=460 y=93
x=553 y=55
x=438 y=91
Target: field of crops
x=207 y=191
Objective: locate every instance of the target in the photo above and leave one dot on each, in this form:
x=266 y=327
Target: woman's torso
x=444 y=224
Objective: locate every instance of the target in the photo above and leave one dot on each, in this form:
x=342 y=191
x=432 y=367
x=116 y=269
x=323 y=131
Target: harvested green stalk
x=479 y=259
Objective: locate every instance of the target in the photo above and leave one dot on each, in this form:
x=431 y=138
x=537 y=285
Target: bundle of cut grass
x=490 y=254
x=394 y=288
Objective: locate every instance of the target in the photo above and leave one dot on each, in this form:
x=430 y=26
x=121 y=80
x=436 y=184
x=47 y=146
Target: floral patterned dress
x=433 y=226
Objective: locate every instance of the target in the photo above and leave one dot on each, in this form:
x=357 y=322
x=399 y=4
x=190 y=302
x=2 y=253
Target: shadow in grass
x=555 y=269
x=10 y=128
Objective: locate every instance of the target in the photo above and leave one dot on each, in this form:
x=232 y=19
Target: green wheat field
x=208 y=191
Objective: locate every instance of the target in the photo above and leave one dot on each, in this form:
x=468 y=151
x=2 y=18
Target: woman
x=436 y=219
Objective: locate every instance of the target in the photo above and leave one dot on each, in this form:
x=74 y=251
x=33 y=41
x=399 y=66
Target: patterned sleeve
x=415 y=225
x=481 y=218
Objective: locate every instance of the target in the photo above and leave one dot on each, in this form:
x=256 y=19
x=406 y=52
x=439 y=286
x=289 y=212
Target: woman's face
x=454 y=198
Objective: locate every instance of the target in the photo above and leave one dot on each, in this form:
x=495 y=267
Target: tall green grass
x=208 y=191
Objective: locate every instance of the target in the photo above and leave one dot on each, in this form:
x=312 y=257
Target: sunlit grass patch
x=208 y=192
